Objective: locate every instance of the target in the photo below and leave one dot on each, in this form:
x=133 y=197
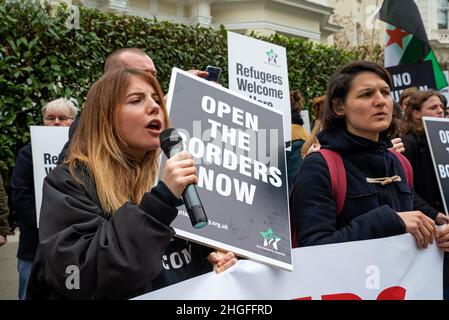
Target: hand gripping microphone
x=171 y=144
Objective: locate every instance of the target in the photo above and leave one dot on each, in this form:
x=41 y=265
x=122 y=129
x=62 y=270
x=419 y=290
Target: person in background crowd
x=59 y=112
x=296 y=104
x=393 y=133
x=4 y=212
x=444 y=101
x=427 y=193
x=317 y=108
x=299 y=135
x=312 y=144
x=405 y=96
x=423 y=103
x=397 y=112
x=357 y=112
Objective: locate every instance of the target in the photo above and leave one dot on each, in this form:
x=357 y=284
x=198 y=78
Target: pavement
x=9 y=277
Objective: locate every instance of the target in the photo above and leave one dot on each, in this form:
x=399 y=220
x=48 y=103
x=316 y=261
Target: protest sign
x=239 y=152
x=46 y=144
x=437 y=133
x=419 y=75
x=258 y=70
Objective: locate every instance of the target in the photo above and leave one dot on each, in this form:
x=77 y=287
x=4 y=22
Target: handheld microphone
x=171 y=144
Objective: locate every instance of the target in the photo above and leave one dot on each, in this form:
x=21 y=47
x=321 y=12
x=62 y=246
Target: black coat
x=117 y=256
x=24 y=203
x=369 y=210
x=427 y=193
x=181 y=260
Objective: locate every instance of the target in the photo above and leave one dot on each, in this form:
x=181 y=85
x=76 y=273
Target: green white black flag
x=406 y=40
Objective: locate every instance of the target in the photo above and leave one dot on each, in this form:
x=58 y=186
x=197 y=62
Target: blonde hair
x=311 y=139
x=98 y=143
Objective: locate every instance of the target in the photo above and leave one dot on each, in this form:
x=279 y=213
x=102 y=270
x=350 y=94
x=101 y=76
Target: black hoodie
x=118 y=256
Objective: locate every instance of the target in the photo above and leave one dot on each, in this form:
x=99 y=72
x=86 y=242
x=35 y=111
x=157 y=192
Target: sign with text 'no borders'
x=419 y=75
x=46 y=144
x=238 y=148
x=437 y=132
x=258 y=70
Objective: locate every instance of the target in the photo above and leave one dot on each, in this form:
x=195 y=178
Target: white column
x=180 y=10
x=118 y=4
x=154 y=6
x=200 y=12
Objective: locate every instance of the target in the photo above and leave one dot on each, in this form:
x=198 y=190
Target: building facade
x=346 y=23
x=307 y=19
x=435 y=18
x=359 y=23
x=360 y=27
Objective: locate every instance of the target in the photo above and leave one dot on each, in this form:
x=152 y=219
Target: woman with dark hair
x=427 y=193
x=423 y=103
x=378 y=201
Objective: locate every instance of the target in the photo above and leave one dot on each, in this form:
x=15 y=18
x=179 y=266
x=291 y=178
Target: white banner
x=46 y=145
x=383 y=269
x=258 y=70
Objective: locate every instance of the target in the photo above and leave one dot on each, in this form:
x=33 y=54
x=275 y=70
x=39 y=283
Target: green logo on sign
x=272 y=56
x=270 y=239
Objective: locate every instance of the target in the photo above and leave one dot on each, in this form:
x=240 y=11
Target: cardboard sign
x=258 y=70
x=238 y=147
x=418 y=75
x=46 y=144
x=437 y=133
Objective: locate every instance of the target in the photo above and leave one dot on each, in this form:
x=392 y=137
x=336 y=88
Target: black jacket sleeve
x=314 y=210
x=22 y=189
x=117 y=257
x=411 y=148
x=423 y=206
x=4 y=210
x=411 y=153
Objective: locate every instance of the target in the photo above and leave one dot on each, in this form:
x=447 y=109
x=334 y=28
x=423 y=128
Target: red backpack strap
x=406 y=166
x=337 y=173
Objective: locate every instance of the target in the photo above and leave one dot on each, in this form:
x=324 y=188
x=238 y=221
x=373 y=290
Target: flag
x=406 y=40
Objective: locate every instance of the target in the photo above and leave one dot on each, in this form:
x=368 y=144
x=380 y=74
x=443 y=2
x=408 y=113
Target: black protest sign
x=437 y=132
x=418 y=75
x=238 y=148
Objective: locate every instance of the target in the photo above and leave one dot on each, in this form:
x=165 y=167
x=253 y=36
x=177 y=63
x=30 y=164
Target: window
x=443 y=14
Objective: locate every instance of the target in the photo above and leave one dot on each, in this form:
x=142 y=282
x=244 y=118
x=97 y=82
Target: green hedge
x=41 y=59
